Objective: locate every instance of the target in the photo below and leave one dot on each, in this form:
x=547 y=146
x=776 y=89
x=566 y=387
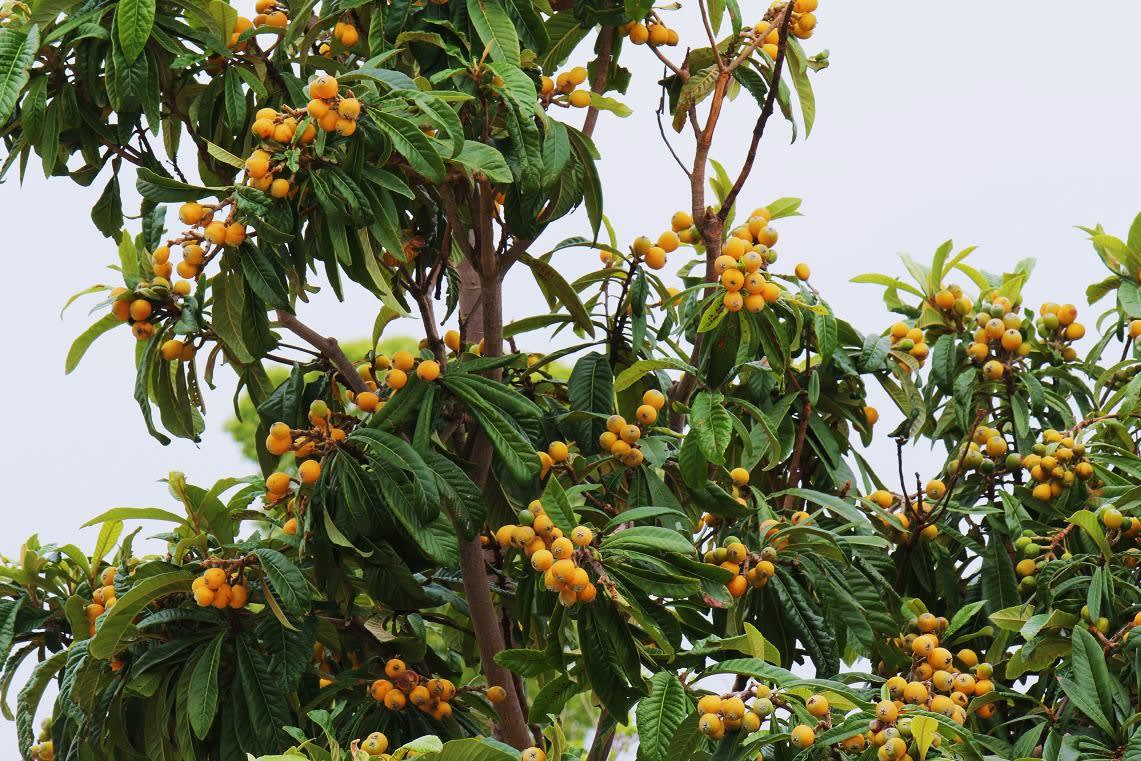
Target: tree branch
x=763 y=119
x=601 y=74
x=328 y=347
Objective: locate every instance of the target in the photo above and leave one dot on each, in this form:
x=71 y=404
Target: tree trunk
x=481 y=313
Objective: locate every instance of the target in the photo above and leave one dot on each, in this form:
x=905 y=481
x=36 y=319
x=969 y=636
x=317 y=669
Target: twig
x=763 y=119
x=328 y=347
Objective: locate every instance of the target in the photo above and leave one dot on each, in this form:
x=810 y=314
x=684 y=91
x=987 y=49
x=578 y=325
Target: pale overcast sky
x=997 y=124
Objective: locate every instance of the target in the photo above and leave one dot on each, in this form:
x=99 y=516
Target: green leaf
x=114 y=624
x=227 y=317
x=412 y=144
x=553 y=281
x=108 y=535
x=156 y=187
x=551 y=699
x=81 y=344
x=650 y=538
x=923 y=731
x=616 y=107
x=134 y=20
x=1013 y=618
x=495 y=29
x=565 y=32
x=659 y=714
x=286 y=578
x=590 y=388
x=1089 y=523
x=484 y=159
x=557 y=506
x=1085 y=699
x=17 y=51
x=838 y=505
x=135 y=513
x=30 y=694
x=1090 y=669
x=524 y=662
x=636 y=371
x=711 y=422
x=1000 y=589
x=516 y=452
x=204 y=692
x=224 y=156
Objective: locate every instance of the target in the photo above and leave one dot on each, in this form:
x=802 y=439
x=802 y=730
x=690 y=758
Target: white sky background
x=997 y=124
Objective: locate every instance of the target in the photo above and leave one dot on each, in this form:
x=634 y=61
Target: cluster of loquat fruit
x=308 y=446
x=102 y=599
x=1056 y=325
x=220 y=589
x=1054 y=463
x=620 y=439
x=913 y=513
x=345 y=33
x=269 y=13
x=404 y=687
x=564 y=85
x=146 y=305
x=393 y=372
x=802 y=26
x=749 y=568
x=551 y=553
x=986 y=452
x=718 y=714
x=997 y=341
x=1121 y=525
x=938 y=681
x=650 y=252
x=652 y=31
x=745 y=255
x=911 y=340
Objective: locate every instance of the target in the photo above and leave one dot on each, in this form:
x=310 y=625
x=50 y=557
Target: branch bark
x=328 y=347
x=481 y=309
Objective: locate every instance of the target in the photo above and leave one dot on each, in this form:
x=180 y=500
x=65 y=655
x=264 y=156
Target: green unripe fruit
x=769 y=554
x=953 y=466
x=905 y=344
x=763 y=707
x=996 y=310
x=1067 y=556
x=1028 y=532
x=1021 y=542
x=987 y=465
x=1103 y=625
x=1085 y=613
x=720 y=554
x=319 y=408
x=962 y=306
x=904 y=726
x=1050 y=322
x=1029 y=583
x=526 y=517
x=1013 y=461
x=1032 y=550
x=730 y=540
x=1039 y=449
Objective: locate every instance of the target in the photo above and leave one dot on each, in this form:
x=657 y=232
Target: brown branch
x=601 y=74
x=797 y=451
x=763 y=119
x=328 y=347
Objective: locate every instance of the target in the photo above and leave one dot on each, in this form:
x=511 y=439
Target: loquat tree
x=457 y=551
